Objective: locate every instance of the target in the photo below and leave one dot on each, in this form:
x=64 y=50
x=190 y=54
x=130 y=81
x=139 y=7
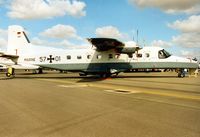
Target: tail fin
x=17 y=40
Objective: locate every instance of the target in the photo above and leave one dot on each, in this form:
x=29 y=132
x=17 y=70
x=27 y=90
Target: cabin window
x=79 y=57
x=117 y=56
x=139 y=55
x=68 y=57
x=88 y=56
x=110 y=56
x=99 y=56
x=162 y=54
x=147 y=55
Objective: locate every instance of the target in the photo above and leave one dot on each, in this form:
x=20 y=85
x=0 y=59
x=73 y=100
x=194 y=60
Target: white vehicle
x=106 y=57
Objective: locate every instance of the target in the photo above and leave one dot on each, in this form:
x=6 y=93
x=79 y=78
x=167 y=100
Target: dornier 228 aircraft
x=108 y=56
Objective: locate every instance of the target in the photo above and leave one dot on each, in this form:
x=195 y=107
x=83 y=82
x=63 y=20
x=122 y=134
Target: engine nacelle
x=129 y=48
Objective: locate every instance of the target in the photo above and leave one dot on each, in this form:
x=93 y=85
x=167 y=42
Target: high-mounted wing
x=104 y=44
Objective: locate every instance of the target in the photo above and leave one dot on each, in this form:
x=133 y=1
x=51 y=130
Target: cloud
x=192 y=24
x=3 y=39
x=39 y=9
x=171 y=6
x=189 y=37
x=38 y=41
x=3 y=43
x=161 y=43
x=63 y=43
x=190 y=40
x=190 y=32
x=110 y=32
x=191 y=54
x=3 y=33
x=61 y=31
x=2 y=2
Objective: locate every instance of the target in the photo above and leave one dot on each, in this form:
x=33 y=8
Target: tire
x=181 y=75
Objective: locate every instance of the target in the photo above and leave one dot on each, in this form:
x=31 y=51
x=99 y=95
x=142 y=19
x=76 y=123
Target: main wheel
x=181 y=73
x=105 y=75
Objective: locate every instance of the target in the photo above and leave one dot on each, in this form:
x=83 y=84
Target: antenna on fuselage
x=137 y=36
x=144 y=41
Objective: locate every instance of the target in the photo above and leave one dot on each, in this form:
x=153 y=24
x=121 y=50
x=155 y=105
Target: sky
x=171 y=24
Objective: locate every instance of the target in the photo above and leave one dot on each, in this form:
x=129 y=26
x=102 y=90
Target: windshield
x=162 y=54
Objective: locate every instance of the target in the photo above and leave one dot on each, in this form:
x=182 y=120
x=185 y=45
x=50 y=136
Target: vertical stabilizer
x=17 y=40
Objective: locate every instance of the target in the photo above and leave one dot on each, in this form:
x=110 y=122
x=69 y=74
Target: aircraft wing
x=104 y=44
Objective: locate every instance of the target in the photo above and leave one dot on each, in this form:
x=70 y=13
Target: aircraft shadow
x=47 y=76
x=146 y=76
x=79 y=78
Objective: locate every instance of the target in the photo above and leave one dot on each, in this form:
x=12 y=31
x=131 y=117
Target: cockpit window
x=162 y=54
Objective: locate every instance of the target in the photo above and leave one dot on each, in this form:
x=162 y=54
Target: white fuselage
x=90 y=60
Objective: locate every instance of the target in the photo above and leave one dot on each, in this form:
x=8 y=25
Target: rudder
x=17 y=40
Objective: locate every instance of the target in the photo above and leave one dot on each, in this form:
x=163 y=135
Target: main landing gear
x=10 y=72
x=181 y=73
x=107 y=75
x=100 y=75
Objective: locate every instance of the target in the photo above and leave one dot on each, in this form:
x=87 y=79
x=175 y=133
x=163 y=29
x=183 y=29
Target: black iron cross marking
x=50 y=58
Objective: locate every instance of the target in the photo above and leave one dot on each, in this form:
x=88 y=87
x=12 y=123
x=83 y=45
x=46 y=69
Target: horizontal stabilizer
x=14 y=58
x=8 y=56
x=25 y=66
